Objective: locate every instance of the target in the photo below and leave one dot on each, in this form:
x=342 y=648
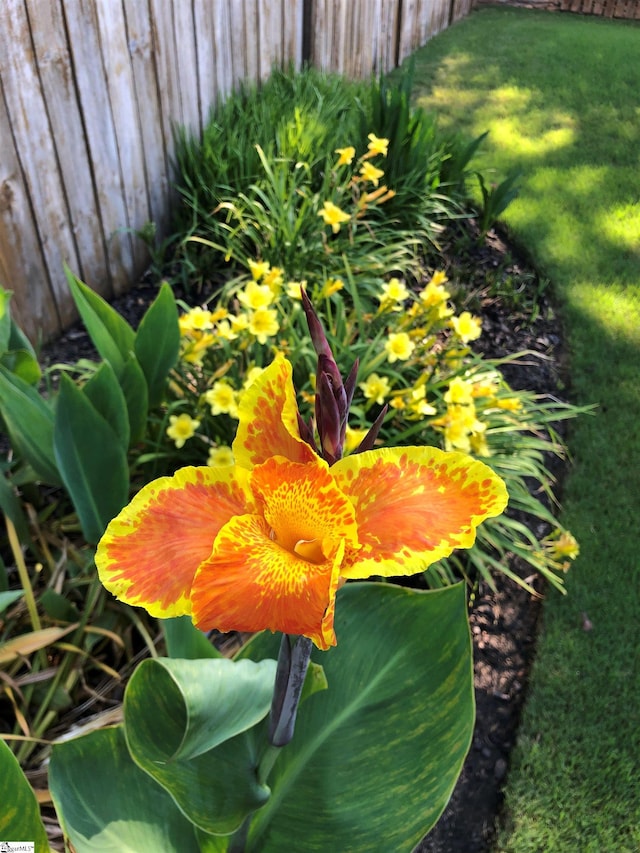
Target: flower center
x=309 y=550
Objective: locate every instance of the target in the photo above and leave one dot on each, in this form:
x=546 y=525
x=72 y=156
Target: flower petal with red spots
x=414 y=506
x=268 y=419
x=150 y=552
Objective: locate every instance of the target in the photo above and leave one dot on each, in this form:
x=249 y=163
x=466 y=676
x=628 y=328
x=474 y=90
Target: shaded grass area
x=558 y=94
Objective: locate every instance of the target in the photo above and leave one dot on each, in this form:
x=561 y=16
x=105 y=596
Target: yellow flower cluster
x=334 y=215
x=461 y=427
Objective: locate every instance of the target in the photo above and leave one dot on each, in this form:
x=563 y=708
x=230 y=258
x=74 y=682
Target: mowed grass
x=560 y=96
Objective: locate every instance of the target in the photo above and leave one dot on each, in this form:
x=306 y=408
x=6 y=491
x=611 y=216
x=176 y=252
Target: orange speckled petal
x=414 y=506
x=268 y=416
x=251 y=583
x=303 y=505
x=150 y=552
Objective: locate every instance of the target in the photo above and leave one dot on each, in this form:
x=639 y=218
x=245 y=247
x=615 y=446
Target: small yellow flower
x=466 y=327
x=220 y=456
x=509 y=404
x=399 y=346
x=225 y=331
x=419 y=402
x=222 y=399
x=485 y=386
x=394 y=293
x=376 y=388
x=346 y=155
x=239 y=323
x=331 y=286
x=258 y=269
x=479 y=446
x=333 y=216
x=352 y=438
x=196 y=320
x=181 y=428
x=369 y=173
x=273 y=279
x=398 y=403
x=219 y=314
x=256 y=296
x=263 y=324
x=196 y=347
x=460 y=392
x=456 y=436
x=293 y=289
x=439 y=278
x=433 y=294
x=563 y=545
x=377 y=145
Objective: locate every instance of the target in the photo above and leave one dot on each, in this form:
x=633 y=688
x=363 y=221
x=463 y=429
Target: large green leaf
x=107 y=398
x=91 y=459
x=29 y=421
x=158 y=342
x=112 y=336
x=136 y=394
x=188 y=725
x=184 y=640
x=106 y=804
x=19 y=813
x=375 y=757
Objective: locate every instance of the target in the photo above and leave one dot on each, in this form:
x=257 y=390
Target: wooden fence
x=90 y=91
x=622 y=9
x=626 y=9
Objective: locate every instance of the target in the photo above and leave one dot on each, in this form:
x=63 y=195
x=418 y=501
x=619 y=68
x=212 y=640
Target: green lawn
x=560 y=95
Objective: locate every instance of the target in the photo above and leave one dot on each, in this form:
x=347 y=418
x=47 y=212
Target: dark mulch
x=503 y=622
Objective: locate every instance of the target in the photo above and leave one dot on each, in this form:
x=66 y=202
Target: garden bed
x=516 y=316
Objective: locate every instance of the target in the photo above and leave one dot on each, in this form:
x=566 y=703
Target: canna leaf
x=29 y=421
x=198 y=741
x=20 y=813
x=186 y=641
x=118 y=808
x=393 y=727
x=92 y=461
x=106 y=396
x=157 y=342
x=112 y=336
x=134 y=388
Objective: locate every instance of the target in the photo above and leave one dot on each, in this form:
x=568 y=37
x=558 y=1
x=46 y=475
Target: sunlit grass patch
x=559 y=95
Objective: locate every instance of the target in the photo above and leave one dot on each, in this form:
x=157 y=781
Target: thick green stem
x=293 y=662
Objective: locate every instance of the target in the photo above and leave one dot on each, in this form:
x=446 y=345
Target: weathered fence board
x=92 y=90
x=36 y=152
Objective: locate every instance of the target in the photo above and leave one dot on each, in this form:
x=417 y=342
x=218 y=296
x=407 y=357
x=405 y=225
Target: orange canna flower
x=266 y=543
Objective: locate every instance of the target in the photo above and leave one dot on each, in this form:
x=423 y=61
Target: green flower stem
x=267 y=761
x=293 y=661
